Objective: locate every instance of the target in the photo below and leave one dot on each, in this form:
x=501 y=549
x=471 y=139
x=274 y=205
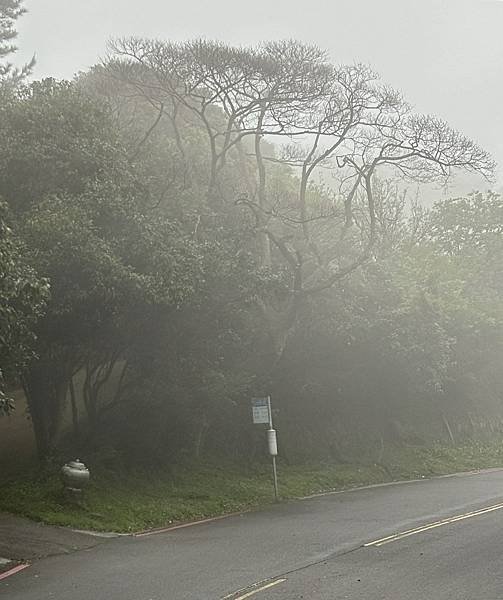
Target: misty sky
x=445 y=55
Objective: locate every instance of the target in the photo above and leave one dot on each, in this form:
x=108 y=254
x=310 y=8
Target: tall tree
x=22 y=294
x=85 y=219
x=22 y=300
x=336 y=120
x=11 y=76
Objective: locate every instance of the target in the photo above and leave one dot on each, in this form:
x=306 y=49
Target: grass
x=137 y=500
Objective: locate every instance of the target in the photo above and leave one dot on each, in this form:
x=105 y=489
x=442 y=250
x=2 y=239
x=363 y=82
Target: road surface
x=438 y=539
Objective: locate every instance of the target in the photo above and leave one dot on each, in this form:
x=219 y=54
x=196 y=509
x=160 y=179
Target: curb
x=148 y=532
x=400 y=482
x=100 y=534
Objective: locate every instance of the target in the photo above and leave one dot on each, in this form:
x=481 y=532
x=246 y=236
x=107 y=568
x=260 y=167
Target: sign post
x=262 y=413
x=261 y=409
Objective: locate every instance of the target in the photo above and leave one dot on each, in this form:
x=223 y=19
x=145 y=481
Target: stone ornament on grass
x=75 y=476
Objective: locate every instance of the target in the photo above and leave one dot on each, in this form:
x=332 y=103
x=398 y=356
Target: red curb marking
x=183 y=525
x=12 y=571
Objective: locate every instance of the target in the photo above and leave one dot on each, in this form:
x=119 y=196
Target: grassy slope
x=138 y=501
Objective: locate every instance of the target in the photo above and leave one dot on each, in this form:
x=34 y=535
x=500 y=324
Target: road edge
x=184 y=524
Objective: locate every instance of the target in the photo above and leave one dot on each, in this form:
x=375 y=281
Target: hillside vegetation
x=187 y=226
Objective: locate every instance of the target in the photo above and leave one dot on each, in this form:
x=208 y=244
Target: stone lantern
x=75 y=476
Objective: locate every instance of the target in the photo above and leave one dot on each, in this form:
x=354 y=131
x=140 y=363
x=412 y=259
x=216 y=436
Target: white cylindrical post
x=272 y=444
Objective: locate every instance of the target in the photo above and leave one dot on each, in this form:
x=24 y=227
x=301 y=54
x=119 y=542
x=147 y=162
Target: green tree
x=464 y=288
x=111 y=261
x=22 y=300
x=22 y=294
x=10 y=76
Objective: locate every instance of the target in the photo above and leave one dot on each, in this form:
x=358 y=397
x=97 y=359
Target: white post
x=273 y=449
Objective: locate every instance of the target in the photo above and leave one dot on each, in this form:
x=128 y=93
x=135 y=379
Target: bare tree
x=325 y=121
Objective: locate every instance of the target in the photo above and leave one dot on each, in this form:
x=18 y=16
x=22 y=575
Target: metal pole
x=274 y=471
x=275 y=476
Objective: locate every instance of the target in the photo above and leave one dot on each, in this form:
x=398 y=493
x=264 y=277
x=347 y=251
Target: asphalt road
x=311 y=549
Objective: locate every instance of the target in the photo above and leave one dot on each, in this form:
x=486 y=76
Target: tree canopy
x=216 y=223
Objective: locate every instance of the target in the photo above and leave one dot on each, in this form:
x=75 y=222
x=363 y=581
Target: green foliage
x=10 y=77
x=135 y=501
x=10 y=11
x=191 y=268
x=22 y=293
x=55 y=140
x=22 y=300
x=407 y=350
x=113 y=263
x=469 y=226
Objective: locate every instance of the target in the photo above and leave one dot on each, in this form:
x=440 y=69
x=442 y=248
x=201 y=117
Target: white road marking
x=403 y=534
x=256 y=590
x=14 y=570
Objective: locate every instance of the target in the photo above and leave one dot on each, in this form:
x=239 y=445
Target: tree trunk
x=200 y=437
x=37 y=398
x=75 y=410
x=448 y=428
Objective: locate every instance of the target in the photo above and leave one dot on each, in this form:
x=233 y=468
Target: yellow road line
x=260 y=589
x=403 y=534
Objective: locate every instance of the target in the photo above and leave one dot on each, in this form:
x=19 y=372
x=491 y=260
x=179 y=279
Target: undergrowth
x=137 y=500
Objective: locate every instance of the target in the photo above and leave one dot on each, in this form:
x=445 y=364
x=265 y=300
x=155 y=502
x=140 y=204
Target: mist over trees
x=188 y=225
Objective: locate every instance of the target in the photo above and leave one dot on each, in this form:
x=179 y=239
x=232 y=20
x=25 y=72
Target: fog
x=205 y=241
x=445 y=56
